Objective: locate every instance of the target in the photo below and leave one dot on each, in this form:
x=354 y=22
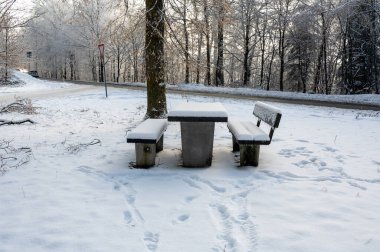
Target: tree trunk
x=246 y=66
x=282 y=58
x=200 y=38
x=270 y=67
x=208 y=46
x=324 y=46
x=93 y=66
x=317 y=76
x=219 y=73
x=72 y=60
x=6 y=53
x=262 y=59
x=118 y=64
x=187 y=71
x=154 y=59
x=263 y=40
x=374 y=71
x=232 y=72
x=135 y=61
x=65 y=70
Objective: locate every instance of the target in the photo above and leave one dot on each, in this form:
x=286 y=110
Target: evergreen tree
x=361 y=50
x=301 y=53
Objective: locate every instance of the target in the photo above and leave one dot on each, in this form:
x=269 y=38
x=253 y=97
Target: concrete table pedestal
x=197 y=143
x=197 y=130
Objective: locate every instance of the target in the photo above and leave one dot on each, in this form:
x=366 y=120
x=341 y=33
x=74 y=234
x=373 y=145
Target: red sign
x=101 y=50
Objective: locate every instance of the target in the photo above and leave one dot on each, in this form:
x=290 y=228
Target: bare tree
x=154 y=57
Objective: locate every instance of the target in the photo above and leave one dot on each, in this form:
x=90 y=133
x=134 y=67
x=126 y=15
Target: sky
x=25 y=6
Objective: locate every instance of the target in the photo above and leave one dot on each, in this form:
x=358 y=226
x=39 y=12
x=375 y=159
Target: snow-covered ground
x=316 y=188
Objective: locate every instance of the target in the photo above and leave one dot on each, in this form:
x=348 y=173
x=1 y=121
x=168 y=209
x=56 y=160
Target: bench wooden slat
x=246 y=132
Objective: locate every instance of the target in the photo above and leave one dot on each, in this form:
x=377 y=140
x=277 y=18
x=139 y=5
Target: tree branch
x=6 y=122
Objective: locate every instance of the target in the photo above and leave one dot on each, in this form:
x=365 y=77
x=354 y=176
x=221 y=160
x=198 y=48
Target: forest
x=310 y=46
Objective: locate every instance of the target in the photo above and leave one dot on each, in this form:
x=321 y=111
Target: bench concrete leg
x=197 y=143
x=160 y=144
x=145 y=155
x=235 y=145
x=249 y=154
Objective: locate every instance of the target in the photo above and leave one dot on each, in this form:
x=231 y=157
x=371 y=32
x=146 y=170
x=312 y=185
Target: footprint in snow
x=357 y=185
x=127 y=217
x=216 y=188
x=330 y=149
x=151 y=240
x=376 y=162
x=322 y=163
x=302 y=141
x=116 y=187
x=130 y=199
x=191 y=183
x=190 y=199
x=183 y=217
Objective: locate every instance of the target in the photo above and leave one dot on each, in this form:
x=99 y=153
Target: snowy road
x=316 y=189
x=361 y=102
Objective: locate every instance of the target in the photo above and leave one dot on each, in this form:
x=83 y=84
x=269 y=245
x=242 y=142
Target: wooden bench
x=247 y=136
x=149 y=139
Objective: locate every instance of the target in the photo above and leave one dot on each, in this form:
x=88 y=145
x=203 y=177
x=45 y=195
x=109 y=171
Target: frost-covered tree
x=302 y=47
x=362 y=48
x=12 y=19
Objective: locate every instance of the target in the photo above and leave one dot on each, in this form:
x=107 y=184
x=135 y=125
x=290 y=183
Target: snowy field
x=317 y=187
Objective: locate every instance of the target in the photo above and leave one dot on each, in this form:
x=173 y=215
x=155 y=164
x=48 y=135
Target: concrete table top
x=198 y=112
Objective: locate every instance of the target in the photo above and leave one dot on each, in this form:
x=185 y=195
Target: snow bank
x=31 y=84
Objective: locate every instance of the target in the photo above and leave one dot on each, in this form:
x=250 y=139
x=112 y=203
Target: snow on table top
x=247 y=131
x=150 y=129
x=199 y=110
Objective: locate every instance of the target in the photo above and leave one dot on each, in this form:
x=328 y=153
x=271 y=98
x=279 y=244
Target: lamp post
x=103 y=65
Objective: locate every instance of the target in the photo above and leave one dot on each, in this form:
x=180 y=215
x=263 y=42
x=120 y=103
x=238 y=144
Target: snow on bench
x=247 y=136
x=149 y=139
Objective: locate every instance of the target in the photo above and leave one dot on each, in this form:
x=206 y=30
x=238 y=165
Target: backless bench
x=149 y=139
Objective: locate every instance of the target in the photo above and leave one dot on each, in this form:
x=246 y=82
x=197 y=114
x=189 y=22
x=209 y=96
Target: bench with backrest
x=247 y=136
x=149 y=139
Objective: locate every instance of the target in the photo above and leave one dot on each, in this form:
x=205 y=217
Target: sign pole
x=104 y=76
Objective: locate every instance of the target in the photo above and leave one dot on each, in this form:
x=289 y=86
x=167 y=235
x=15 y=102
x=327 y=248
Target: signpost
x=103 y=65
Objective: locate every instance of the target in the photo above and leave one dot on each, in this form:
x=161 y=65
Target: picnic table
x=197 y=130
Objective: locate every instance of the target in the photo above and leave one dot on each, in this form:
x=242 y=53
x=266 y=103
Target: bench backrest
x=269 y=114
